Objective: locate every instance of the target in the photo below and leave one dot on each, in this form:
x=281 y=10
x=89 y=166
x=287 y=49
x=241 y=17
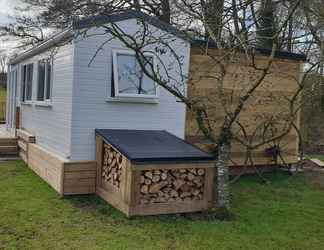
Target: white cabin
x=64 y=92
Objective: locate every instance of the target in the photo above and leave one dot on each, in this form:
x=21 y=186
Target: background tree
x=3 y=61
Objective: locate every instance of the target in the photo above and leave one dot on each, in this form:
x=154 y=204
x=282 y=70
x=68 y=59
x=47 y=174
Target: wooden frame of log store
x=143 y=172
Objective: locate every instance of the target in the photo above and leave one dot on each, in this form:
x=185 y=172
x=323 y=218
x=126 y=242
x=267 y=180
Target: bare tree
x=231 y=27
x=3 y=61
x=57 y=15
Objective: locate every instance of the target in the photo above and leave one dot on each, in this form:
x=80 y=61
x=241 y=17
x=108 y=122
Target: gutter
x=54 y=40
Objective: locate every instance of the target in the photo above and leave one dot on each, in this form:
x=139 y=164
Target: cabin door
x=11 y=100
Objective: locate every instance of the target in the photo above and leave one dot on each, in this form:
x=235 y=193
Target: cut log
x=201 y=171
x=147 y=181
x=185 y=188
x=185 y=194
x=156 y=178
x=155 y=188
x=164 y=176
x=178 y=183
x=191 y=177
x=174 y=194
x=149 y=174
x=144 y=189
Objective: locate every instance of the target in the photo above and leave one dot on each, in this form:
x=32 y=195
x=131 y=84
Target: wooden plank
x=318 y=162
x=169 y=208
x=113 y=199
x=26 y=136
x=65 y=177
x=134 y=189
x=48 y=169
x=268 y=99
x=8 y=150
x=172 y=165
x=8 y=141
x=23 y=156
x=79 y=182
x=23 y=145
x=79 y=174
x=75 y=190
x=17 y=117
x=209 y=194
x=80 y=166
x=99 y=156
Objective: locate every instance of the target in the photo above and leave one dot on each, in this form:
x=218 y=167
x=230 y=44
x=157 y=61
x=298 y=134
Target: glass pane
x=48 y=81
x=23 y=85
x=29 y=81
x=131 y=79
x=41 y=81
x=148 y=85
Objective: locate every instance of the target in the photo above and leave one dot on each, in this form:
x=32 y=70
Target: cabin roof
x=148 y=146
x=125 y=15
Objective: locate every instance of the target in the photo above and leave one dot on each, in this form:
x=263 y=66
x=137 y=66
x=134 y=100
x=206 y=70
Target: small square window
x=129 y=79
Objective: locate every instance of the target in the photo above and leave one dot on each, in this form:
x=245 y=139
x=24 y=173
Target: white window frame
x=116 y=83
x=24 y=84
x=46 y=101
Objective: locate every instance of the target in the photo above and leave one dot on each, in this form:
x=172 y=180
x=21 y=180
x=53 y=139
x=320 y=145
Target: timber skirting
x=64 y=176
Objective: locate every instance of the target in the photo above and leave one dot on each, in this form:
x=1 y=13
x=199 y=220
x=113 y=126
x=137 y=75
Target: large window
x=129 y=79
x=44 y=80
x=27 y=82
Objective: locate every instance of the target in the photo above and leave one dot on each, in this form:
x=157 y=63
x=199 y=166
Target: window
x=129 y=80
x=44 y=80
x=27 y=82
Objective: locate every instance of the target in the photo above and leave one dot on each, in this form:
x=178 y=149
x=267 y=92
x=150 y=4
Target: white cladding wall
x=52 y=124
x=92 y=87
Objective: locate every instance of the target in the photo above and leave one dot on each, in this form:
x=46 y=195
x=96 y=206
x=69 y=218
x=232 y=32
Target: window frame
x=116 y=81
x=48 y=61
x=24 y=84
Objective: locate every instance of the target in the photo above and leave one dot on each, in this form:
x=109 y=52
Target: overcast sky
x=7 y=10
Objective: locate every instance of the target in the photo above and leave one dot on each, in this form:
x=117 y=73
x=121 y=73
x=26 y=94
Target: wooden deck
x=4 y=133
x=8 y=143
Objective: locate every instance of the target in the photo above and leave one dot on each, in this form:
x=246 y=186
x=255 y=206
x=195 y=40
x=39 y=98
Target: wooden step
x=8 y=141
x=8 y=150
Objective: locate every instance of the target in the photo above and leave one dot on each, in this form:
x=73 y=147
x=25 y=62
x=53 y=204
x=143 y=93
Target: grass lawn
x=3 y=94
x=288 y=214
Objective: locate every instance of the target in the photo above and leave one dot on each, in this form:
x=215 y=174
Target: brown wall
x=267 y=100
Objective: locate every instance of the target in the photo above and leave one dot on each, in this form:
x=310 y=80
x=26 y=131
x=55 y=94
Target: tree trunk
x=222 y=176
x=213 y=11
x=166 y=12
x=267 y=27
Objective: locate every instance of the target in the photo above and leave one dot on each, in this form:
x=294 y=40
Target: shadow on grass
x=249 y=183
x=94 y=204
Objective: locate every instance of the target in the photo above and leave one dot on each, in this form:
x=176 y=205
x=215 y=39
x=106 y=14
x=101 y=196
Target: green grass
x=3 y=94
x=288 y=214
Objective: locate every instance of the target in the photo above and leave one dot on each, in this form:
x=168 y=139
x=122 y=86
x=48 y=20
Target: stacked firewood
x=112 y=165
x=161 y=186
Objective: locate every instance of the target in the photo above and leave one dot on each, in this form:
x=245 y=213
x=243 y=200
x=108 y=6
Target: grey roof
x=262 y=51
x=124 y=15
x=151 y=146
